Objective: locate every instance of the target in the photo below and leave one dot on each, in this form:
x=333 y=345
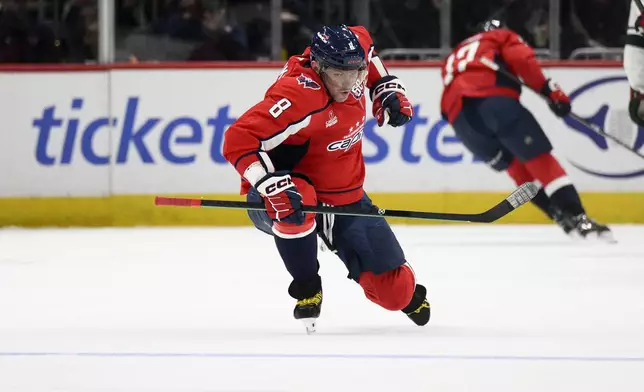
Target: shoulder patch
x=307 y=82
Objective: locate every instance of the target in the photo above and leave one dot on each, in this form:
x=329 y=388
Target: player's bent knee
x=309 y=197
x=392 y=290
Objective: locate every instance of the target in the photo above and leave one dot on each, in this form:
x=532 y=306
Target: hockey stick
x=494 y=66
x=518 y=197
x=639 y=5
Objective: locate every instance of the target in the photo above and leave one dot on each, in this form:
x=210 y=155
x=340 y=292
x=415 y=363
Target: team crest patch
x=333 y=119
x=307 y=82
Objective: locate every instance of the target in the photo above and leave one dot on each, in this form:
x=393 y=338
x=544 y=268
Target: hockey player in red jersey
x=483 y=107
x=302 y=145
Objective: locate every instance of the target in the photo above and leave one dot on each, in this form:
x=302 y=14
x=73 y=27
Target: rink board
x=92 y=146
x=139 y=210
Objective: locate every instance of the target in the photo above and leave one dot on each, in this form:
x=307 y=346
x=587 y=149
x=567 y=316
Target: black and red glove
x=282 y=200
x=388 y=95
x=639 y=25
x=559 y=101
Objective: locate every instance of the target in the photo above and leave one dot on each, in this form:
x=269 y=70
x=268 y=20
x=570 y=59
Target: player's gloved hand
x=559 y=101
x=281 y=197
x=388 y=94
x=636 y=107
x=639 y=25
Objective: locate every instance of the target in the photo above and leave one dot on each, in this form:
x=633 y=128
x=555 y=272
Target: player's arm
x=387 y=92
x=283 y=112
x=522 y=61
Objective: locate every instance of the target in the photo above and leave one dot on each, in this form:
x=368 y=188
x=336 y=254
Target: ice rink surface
x=514 y=308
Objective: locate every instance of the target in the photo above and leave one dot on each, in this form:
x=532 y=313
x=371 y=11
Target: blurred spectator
x=80 y=30
x=222 y=40
x=467 y=16
x=187 y=30
x=183 y=21
x=528 y=18
x=23 y=39
x=408 y=23
x=298 y=27
x=603 y=21
x=40 y=31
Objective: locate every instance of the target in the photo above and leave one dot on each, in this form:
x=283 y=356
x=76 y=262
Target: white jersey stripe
x=292 y=129
x=380 y=67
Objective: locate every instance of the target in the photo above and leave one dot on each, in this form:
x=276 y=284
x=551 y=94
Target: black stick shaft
x=520 y=196
x=492 y=65
x=639 y=5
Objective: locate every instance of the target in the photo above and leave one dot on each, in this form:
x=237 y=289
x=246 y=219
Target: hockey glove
x=282 y=200
x=388 y=94
x=636 y=107
x=559 y=101
x=639 y=25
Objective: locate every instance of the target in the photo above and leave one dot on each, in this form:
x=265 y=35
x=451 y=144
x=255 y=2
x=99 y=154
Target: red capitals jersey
x=298 y=127
x=464 y=75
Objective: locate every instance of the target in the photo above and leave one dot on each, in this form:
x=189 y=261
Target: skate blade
x=607 y=237
x=310 y=324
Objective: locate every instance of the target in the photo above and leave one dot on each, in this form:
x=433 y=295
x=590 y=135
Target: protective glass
x=343 y=80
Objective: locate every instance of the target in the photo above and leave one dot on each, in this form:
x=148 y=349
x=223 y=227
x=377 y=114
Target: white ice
x=514 y=308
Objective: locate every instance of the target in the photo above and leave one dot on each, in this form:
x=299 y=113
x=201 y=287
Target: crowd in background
x=66 y=31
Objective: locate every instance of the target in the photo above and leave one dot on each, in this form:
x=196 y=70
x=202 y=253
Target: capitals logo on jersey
x=307 y=82
x=353 y=137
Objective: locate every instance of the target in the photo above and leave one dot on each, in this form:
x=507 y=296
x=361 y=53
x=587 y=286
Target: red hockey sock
x=556 y=184
x=519 y=172
x=392 y=290
x=549 y=172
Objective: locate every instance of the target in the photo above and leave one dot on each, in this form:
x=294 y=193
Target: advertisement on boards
x=161 y=131
x=44 y=123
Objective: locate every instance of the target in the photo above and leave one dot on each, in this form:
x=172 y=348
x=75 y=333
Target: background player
x=634 y=64
x=302 y=145
x=484 y=109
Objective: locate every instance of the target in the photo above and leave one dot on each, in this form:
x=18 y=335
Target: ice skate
x=308 y=310
x=561 y=220
x=418 y=309
x=586 y=228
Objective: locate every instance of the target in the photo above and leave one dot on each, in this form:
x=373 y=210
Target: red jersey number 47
x=457 y=62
